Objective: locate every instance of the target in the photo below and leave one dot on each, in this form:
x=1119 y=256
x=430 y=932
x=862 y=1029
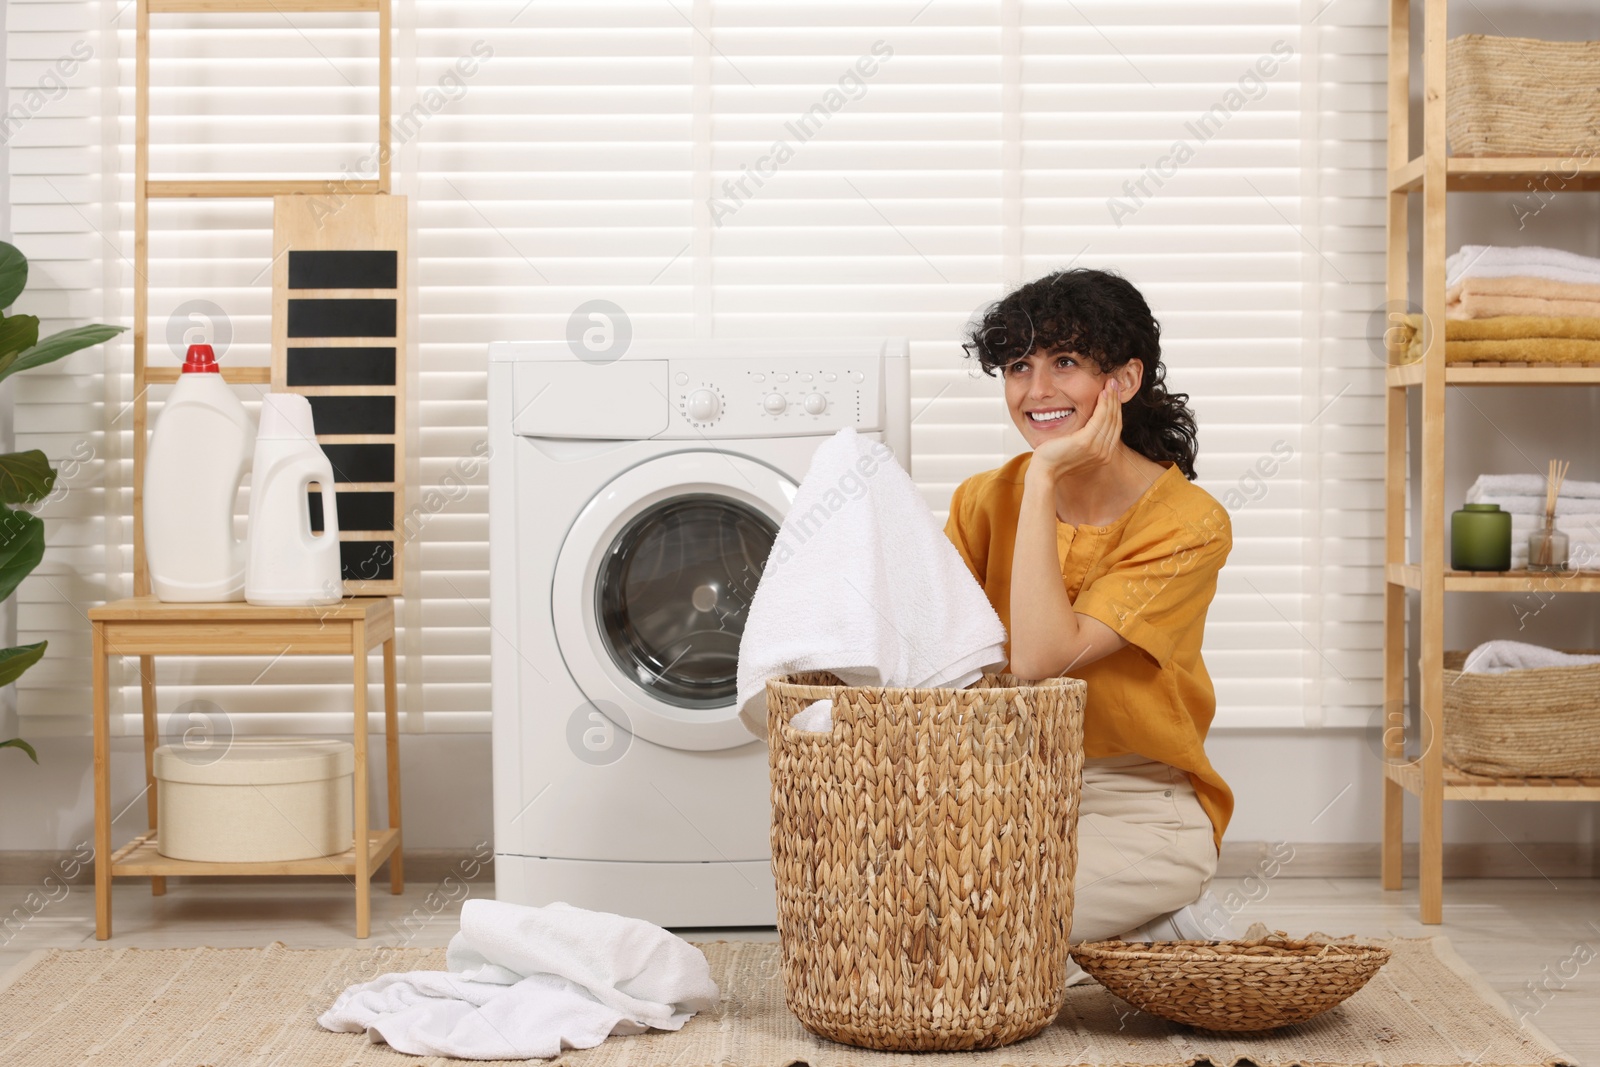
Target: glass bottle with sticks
x=1547 y=546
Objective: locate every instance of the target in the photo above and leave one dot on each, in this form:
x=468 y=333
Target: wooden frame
x=145 y=627
x=1433 y=174
x=144 y=190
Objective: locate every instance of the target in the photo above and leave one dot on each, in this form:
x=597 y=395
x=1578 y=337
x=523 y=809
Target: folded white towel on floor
x=525 y=983
x=1497 y=657
x=1534 y=261
x=1526 y=485
x=863 y=582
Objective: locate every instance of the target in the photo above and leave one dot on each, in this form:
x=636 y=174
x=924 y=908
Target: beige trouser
x=1145 y=846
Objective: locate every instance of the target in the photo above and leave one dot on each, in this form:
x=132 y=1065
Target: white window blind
x=747 y=169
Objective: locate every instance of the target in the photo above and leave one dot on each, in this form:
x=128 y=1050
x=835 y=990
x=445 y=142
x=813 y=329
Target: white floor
x=1536 y=941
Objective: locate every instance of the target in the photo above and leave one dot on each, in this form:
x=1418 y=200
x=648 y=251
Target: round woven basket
x=1543 y=722
x=924 y=852
x=1512 y=96
x=1253 y=984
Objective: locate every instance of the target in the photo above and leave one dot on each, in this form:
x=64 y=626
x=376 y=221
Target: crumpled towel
x=1497 y=657
x=526 y=983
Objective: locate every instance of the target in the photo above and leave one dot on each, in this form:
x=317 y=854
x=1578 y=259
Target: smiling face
x=1051 y=394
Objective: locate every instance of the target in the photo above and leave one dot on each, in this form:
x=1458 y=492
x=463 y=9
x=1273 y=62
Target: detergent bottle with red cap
x=199 y=453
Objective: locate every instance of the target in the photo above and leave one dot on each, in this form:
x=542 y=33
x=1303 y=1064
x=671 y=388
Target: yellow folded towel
x=1512 y=339
x=1533 y=350
x=1482 y=298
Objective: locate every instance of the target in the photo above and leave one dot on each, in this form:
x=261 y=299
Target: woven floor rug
x=225 y=1007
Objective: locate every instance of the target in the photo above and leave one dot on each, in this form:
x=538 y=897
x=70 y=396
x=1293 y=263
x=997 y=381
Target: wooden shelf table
x=145 y=627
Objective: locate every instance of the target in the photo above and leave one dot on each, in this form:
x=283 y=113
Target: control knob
x=704 y=405
x=816 y=404
x=774 y=403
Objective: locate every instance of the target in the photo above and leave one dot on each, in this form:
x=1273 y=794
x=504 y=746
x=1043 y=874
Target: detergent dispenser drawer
x=610 y=401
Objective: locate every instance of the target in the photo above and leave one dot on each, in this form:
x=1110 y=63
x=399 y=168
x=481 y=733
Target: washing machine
x=632 y=504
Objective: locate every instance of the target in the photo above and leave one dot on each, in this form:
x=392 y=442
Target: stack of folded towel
x=1577 y=514
x=1518 y=305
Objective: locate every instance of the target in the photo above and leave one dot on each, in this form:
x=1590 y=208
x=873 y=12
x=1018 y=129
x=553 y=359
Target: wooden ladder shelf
x=145 y=627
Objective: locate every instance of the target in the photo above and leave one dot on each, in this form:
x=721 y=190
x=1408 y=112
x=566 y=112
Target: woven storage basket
x=1244 y=985
x=1543 y=722
x=924 y=852
x=1511 y=96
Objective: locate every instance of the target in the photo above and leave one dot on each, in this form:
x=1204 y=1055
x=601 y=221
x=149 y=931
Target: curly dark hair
x=1102 y=317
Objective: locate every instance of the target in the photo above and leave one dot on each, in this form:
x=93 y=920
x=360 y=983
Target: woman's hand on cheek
x=1092 y=445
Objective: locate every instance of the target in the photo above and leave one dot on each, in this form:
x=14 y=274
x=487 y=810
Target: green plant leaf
x=25 y=477
x=17 y=742
x=18 y=332
x=13 y=273
x=13 y=661
x=60 y=344
x=21 y=547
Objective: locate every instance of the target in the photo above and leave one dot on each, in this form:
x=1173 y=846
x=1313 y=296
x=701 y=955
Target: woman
x=1101 y=558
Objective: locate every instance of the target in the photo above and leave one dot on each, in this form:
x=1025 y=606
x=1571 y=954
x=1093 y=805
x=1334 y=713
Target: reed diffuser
x=1547 y=546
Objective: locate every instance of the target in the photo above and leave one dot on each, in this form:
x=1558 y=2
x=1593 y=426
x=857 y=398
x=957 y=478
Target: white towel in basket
x=1497 y=657
x=863 y=582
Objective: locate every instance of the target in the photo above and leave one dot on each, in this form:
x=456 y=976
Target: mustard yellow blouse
x=1150 y=576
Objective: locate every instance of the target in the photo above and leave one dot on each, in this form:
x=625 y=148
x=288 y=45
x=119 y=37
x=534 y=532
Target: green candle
x=1480 y=538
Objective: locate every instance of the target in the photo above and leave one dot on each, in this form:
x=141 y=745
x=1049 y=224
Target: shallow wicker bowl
x=1253 y=984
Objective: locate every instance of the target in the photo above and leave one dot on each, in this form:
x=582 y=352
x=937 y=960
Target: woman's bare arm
x=1047 y=636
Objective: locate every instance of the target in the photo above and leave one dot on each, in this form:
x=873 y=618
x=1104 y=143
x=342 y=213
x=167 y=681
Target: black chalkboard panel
x=342 y=318
x=341 y=366
x=339 y=288
x=352 y=414
x=366 y=561
x=358 y=510
x=361 y=463
x=343 y=270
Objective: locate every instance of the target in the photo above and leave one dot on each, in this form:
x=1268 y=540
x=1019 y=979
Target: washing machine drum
x=674 y=592
x=652 y=589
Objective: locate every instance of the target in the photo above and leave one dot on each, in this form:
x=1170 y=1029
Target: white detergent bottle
x=289 y=564
x=199 y=453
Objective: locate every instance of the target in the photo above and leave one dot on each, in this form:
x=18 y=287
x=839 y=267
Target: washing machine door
x=652 y=588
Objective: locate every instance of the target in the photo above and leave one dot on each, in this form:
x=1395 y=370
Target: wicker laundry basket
x=924 y=853
x=1543 y=722
x=1511 y=96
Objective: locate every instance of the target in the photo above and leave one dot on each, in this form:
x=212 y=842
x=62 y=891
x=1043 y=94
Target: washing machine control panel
x=765 y=395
